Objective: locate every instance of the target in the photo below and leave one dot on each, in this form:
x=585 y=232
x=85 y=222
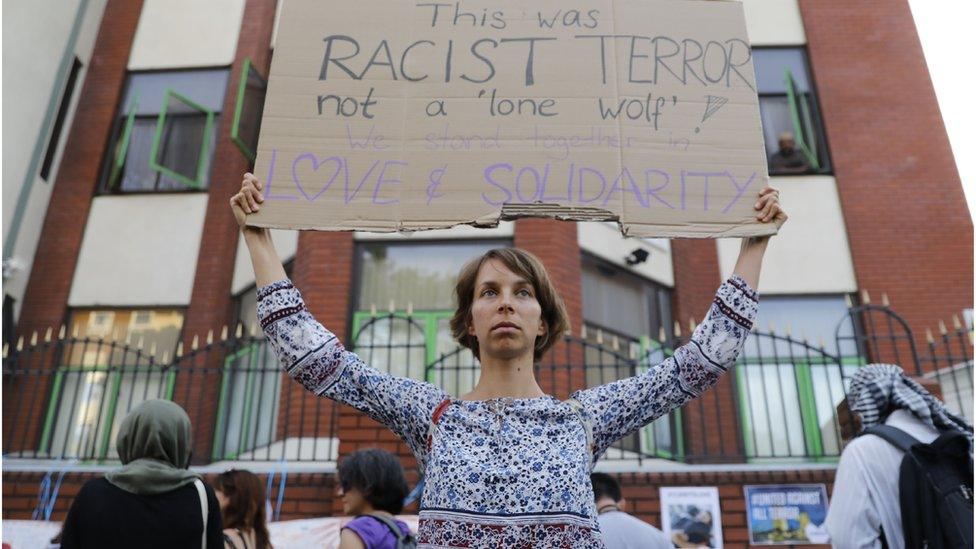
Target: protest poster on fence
x=389 y=115
x=788 y=514
x=691 y=516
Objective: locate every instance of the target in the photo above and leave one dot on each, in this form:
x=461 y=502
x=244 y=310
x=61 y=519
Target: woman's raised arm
x=264 y=257
x=616 y=409
x=314 y=356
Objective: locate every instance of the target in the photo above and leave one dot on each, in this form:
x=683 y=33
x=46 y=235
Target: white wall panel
x=774 y=23
x=286 y=242
x=139 y=251
x=186 y=33
x=605 y=241
x=810 y=255
x=36 y=37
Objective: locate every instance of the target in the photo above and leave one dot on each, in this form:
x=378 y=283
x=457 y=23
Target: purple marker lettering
x=381 y=180
x=488 y=173
x=267 y=183
x=653 y=191
x=741 y=190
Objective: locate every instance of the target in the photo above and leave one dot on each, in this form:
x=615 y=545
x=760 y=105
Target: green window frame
x=253 y=351
x=428 y=319
x=647 y=439
x=154 y=164
x=807 y=408
x=803 y=127
x=113 y=397
x=123 y=146
x=247 y=73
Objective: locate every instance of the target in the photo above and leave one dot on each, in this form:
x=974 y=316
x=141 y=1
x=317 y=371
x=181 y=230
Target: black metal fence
x=64 y=397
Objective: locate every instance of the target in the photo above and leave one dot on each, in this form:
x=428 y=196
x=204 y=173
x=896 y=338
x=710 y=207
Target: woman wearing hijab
x=153 y=500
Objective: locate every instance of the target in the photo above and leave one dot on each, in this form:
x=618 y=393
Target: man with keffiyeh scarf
x=865 y=510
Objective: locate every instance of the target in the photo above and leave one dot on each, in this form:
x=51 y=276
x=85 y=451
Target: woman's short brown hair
x=527 y=266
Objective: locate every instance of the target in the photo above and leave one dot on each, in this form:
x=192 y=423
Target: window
x=165 y=132
x=103 y=374
x=791 y=375
x=250 y=391
x=247 y=114
x=404 y=305
x=9 y=329
x=620 y=302
x=52 y=144
x=626 y=317
x=788 y=105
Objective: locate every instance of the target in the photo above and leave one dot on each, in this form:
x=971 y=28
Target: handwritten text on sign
x=389 y=115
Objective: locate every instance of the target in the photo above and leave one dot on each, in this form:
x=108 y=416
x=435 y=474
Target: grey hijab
x=154 y=446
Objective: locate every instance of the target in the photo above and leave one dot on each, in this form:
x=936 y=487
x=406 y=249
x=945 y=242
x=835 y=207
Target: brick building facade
x=880 y=211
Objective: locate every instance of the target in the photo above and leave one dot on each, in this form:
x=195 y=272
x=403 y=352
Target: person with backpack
x=907 y=480
x=372 y=488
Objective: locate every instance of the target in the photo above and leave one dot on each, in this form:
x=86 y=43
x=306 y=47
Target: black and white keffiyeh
x=878 y=389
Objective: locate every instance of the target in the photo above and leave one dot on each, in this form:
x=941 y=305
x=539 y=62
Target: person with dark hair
x=505 y=464
x=153 y=500
x=372 y=488
x=619 y=529
x=242 y=507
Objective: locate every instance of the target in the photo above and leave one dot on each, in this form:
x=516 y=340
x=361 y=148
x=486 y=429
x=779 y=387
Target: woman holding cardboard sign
x=506 y=465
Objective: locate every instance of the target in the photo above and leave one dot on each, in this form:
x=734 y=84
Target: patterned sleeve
x=315 y=357
x=617 y=409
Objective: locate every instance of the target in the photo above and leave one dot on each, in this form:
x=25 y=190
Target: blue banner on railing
x=787 y=514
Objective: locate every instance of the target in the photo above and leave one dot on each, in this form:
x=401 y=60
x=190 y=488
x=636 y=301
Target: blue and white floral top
x=506 y=472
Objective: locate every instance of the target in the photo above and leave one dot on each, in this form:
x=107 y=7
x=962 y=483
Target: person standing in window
x=153 y=500
x=242 y=508
x=788 y=159
x=506 y=464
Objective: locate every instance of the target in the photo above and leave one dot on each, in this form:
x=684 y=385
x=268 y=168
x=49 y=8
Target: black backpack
x=403 y=541
x=936 y=488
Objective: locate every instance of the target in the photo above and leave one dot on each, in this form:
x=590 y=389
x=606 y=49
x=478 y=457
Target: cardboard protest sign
x=387 y=115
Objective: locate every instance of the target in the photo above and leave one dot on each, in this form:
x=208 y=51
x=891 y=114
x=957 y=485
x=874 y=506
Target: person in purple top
x=372 y=488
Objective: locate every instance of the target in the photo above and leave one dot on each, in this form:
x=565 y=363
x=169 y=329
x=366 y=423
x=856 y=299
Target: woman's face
x=353 y=502
x=505 y=315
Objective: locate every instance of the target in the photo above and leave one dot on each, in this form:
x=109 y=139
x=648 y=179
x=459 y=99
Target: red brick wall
x=46 y=297
x=710 y=423
x=641 y=492
x=211 y=307
x=910 y=232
